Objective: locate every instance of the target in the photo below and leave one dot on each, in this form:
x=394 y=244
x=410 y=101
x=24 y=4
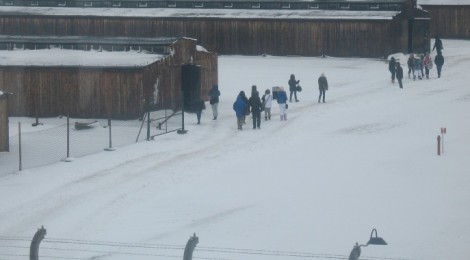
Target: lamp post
x=356 y=251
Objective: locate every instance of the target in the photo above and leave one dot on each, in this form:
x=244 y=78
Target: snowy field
x=306 y=188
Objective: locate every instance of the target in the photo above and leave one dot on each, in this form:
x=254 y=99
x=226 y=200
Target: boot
x=285 y=117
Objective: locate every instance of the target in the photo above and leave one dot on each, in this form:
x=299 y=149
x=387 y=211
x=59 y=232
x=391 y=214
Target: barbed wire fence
x=37 y=142
x=16 y=247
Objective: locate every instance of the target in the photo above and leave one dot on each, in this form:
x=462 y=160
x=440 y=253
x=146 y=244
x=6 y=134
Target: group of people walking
x=256 y=105
x=419 y=65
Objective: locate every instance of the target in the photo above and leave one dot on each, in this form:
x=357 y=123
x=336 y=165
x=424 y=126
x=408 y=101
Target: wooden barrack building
x=100 y=77
x=368 y=28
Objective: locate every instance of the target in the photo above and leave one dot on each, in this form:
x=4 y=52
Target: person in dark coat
x=255 y=104
x=322 y=86
x=198 y=105
x=392 y=66
x=293 y=87
x=214 y=94
x=438 y=45
x=439 y=61
x=240 y=106
x=410 y=65
x=399 y=72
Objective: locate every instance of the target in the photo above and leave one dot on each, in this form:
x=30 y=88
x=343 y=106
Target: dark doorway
x=190 y=84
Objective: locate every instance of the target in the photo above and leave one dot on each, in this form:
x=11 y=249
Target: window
x=62 y=3
x=116 y=4
x=313 y=6
x=142 y=4
x=256 y=5
x=88 y=4
x=9 y=3
x=228 y=5
x=374 y=6
x=171 y=4
x=33 y=3
x=198 y=5
x=285 y=5
x=344 y=6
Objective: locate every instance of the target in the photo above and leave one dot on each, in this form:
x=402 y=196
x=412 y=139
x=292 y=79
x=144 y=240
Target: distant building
x=349 y=28
x=100 y=77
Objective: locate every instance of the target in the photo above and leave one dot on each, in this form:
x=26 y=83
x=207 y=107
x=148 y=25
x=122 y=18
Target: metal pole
x=148 y=125
x=110 y=139
x=68 y=137
x=110 y=148
x=19 y=141
x=34 y=249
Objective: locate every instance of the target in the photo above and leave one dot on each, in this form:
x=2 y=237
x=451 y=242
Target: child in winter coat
x=417 y=68
x=427 y=62
x=240 y=106
x=282 y=101
x=267 y=102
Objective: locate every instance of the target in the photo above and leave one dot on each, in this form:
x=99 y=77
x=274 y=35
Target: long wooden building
x=102 y=77
x=368 y=28
x=449 y=19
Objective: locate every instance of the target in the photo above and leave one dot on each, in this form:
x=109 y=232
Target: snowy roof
x=88 y=39
x=76 y=58
x=443 y=2
x=200 y=13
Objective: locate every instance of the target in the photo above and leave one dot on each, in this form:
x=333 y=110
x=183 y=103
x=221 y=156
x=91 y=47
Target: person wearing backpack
x=255 y=104
x=439 y=60
x=240 y=106
x=214 y=94
x=267 y=103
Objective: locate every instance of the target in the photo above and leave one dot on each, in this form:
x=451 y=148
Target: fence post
x=188 y=251
x=182 y=130
x=34 y=249
x=438 y=145
x=19 y=144
x=68 y=158
x=110 y=148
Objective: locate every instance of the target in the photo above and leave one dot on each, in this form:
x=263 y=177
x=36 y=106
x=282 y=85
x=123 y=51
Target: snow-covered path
x=315 y=184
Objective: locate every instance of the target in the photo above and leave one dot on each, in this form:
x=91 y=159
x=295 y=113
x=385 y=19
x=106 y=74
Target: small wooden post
x=438 y=145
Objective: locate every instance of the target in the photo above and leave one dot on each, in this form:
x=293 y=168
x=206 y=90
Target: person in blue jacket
x=282 y=101
x=240 y=106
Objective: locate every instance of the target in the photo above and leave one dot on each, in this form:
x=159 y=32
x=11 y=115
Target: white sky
x=314 y=184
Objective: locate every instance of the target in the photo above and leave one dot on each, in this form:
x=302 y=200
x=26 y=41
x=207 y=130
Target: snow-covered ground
x=305 y=188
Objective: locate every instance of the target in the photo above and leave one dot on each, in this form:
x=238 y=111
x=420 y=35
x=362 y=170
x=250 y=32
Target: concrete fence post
x=188 y=251
x=34 y=249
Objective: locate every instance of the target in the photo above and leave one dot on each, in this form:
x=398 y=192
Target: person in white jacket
x=267 y=102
